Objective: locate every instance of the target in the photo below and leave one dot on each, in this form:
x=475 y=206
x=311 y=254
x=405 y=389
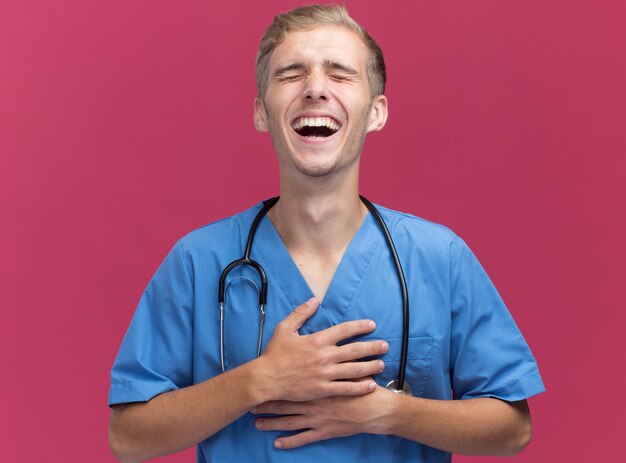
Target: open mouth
x=321 y=127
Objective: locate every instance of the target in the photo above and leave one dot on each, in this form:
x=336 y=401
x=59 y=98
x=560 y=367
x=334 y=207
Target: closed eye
x=289 y=78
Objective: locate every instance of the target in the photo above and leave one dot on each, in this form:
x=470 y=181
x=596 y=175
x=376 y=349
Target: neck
x=318 y=215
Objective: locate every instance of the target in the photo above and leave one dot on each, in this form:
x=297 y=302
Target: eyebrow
x=330 y=64
x=327 y=64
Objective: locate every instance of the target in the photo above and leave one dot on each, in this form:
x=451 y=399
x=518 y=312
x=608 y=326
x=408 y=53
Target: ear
x=378 y=114
x=260 y=116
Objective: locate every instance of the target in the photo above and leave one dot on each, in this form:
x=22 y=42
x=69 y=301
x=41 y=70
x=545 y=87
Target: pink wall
x=124 y=125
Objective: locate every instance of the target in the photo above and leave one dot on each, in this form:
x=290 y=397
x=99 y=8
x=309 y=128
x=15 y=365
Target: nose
x=316 y=88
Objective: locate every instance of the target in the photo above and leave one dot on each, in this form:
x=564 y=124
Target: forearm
x=482 y=426
x=180 y=419
x=292 y=367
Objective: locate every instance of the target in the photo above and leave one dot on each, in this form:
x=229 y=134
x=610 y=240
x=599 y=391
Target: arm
x=293 y=367
x=179 y=419
x=482 y=426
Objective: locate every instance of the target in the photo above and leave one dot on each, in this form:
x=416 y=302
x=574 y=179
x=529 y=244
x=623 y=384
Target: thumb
x=301 y=314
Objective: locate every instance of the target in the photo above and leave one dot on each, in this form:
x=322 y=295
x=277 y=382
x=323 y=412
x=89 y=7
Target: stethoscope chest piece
x=393 y=386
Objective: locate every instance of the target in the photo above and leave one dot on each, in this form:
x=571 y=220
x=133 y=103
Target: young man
x=317 y=388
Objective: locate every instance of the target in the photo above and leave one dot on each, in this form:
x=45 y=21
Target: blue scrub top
x=463 y=342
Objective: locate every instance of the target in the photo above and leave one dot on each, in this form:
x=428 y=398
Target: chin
x=318 y=173
x=316 y=170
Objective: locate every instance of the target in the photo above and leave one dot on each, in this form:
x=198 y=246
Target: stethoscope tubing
x=397 y=385
x=405 y=294
x=245 y=260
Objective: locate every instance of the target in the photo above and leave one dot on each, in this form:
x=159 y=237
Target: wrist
x=260 y=382
x=391 y=413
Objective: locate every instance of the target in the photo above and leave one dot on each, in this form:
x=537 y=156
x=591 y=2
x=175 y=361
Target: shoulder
x=421 y=233
x=218 y=234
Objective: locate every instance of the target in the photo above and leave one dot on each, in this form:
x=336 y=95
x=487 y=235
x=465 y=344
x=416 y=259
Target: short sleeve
x=156 y=353
x=489 y=356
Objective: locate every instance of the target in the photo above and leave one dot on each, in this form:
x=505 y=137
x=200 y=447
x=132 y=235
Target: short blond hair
x=307 y=17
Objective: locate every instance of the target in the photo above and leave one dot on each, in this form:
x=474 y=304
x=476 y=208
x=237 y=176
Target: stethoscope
x=397 y=385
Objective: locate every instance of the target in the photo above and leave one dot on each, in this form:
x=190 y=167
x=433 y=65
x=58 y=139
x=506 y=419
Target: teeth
x=315 y=122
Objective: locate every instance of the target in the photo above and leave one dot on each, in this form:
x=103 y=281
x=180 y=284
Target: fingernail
x=311 y=302
x=278 y=444
x=372 y=325
x=372 y=386
x=385 y=347
x=253 y=411
x=258 y=424
x=381 y=365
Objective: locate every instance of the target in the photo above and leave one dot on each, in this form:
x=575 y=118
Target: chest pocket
x=419 y=363
x=241 y=320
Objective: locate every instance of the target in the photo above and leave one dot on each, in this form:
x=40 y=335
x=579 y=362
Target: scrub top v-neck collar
x=284 y=275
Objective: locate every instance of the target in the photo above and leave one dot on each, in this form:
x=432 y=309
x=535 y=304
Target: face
x=318 y=106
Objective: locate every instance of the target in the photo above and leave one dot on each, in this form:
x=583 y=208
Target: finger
x=350 y=388
x=280 y=407
x=283 y=423
x=300 y=315
x=356 y=370
x=300 y=439
x=346 y=330
x=358 y=350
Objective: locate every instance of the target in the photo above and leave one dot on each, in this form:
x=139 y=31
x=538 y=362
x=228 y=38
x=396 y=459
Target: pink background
x=123 y=125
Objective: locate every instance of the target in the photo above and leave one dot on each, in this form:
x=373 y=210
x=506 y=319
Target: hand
x=299 y=368
x=325 y=418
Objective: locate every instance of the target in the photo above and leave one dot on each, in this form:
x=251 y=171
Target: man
x=317 y=389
